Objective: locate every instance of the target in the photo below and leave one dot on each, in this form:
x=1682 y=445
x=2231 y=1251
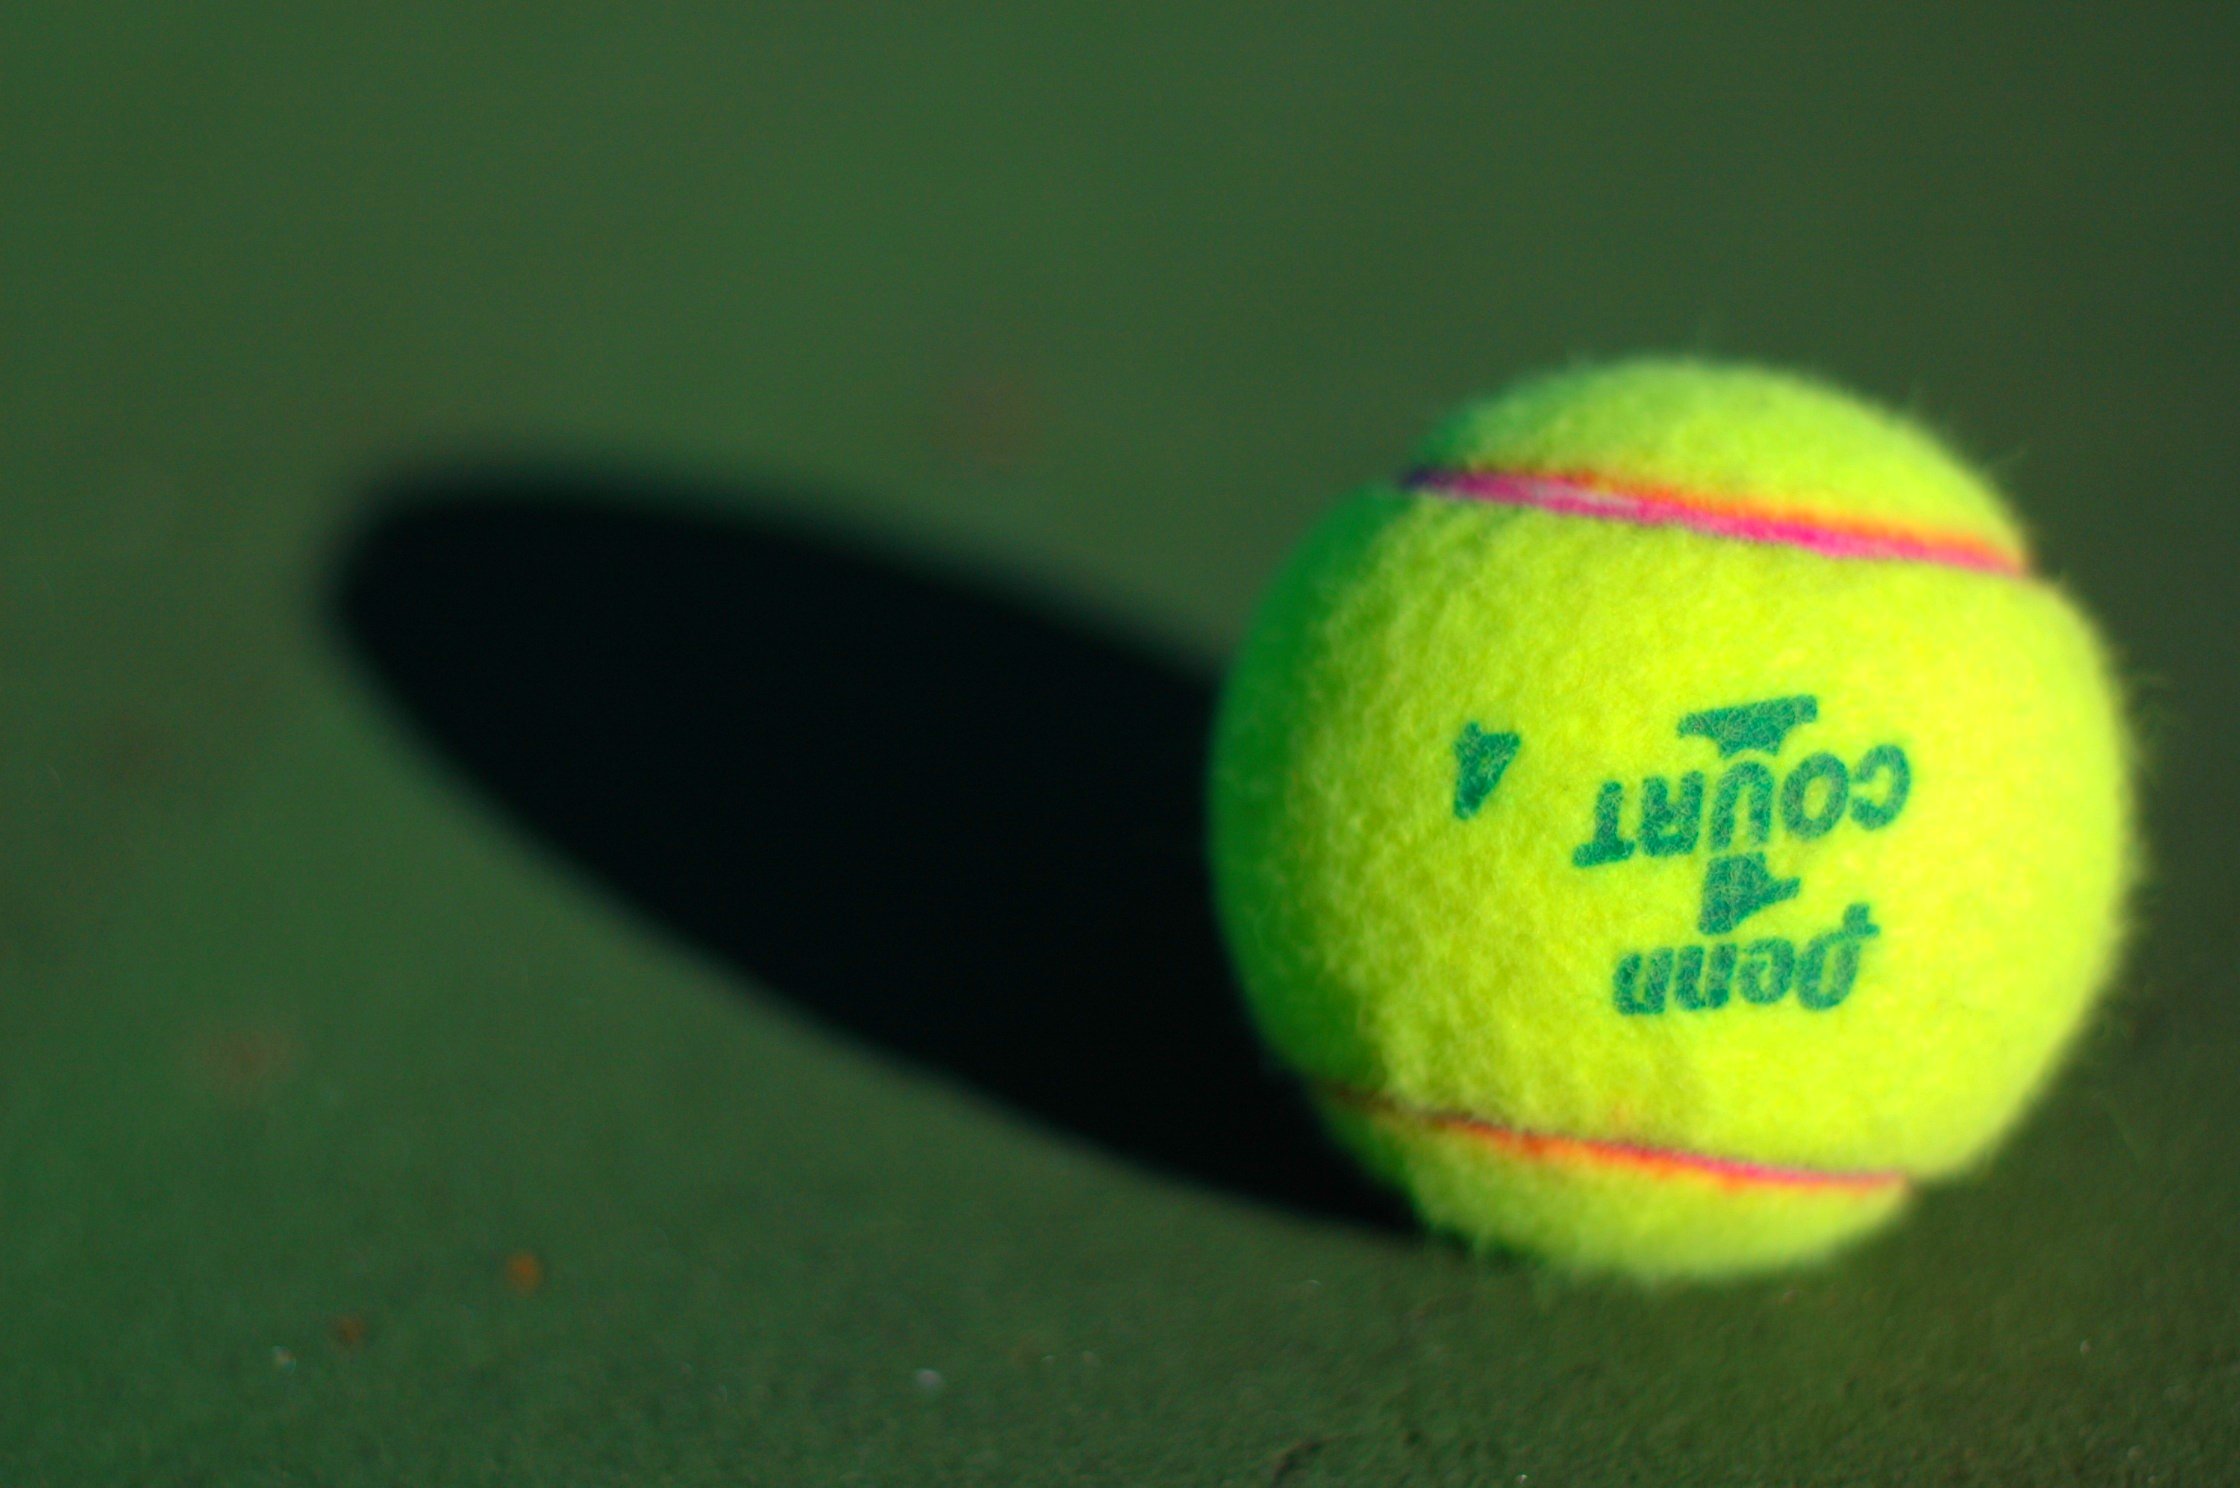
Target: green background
x=1106 y=302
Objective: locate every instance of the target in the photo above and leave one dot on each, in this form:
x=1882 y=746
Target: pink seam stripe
x=1548 y=1146
x=1571 y=496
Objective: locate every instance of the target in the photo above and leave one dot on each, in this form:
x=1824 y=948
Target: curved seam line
x=1546 y=1146
x=1659 y=507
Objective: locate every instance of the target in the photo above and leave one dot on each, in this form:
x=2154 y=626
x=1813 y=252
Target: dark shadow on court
x=934 y=817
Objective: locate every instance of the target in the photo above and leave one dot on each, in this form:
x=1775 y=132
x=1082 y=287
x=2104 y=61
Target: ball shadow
x=934 y=817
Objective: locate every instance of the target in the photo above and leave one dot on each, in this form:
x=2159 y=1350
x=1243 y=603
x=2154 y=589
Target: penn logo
x=1754 y=794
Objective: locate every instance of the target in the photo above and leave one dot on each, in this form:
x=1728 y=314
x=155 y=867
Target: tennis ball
x=1671 y=823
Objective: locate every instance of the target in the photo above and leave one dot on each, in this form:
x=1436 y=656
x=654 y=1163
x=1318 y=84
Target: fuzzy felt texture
x=1656 y=838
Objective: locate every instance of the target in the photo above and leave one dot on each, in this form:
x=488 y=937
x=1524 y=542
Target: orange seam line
x=1664 y=1161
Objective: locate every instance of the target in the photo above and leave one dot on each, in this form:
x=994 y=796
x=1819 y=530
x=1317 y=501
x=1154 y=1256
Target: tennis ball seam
x=1558 y=1148
x=1583 y=494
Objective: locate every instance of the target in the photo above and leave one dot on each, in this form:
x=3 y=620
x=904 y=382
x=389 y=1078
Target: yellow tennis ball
x=1671 y=823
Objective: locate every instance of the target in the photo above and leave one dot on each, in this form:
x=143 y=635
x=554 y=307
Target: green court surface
x=604 y=630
